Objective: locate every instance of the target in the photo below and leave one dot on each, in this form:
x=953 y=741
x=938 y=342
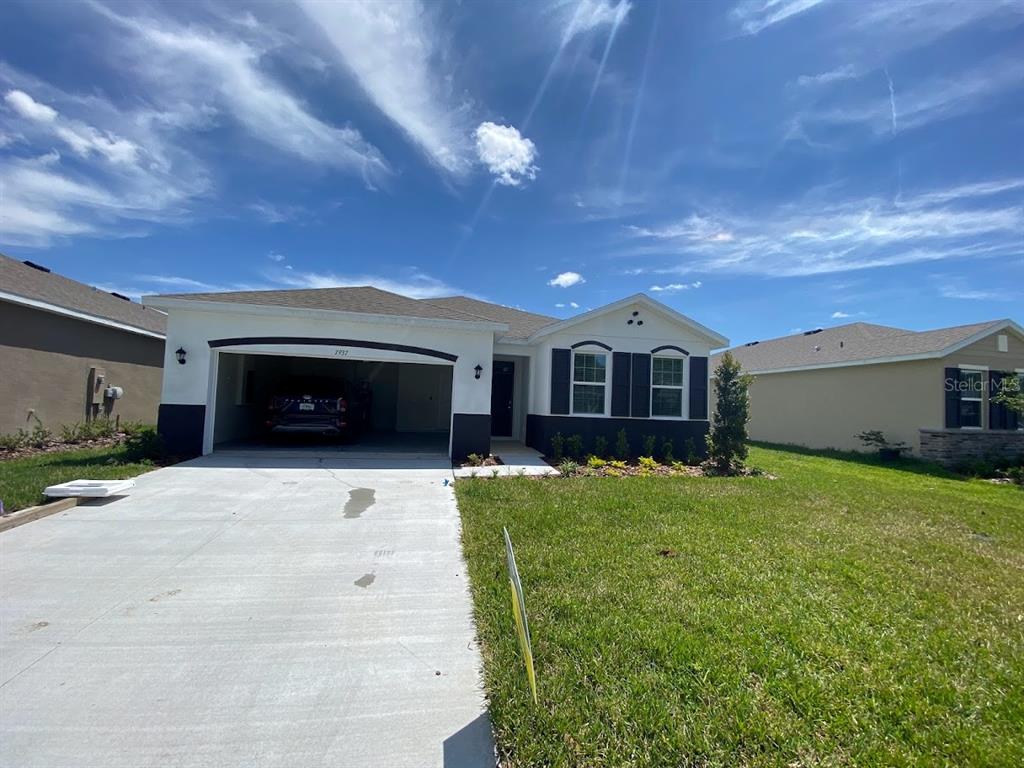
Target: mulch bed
x=634 y=469
x=490 y=461
x=57 y=446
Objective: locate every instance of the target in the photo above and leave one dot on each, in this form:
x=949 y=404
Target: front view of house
x=452 y=372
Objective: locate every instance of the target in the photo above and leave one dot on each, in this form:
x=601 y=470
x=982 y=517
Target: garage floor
x=245 y=611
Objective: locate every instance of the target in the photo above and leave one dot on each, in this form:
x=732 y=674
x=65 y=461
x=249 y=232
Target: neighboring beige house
x=930 y=389
x=70 y=352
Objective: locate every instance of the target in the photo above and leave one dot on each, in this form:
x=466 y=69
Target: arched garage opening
x=390 y=404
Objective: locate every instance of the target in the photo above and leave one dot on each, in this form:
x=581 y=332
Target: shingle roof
x=28 y=282
x=363 y=299
x=521 y=324
x=848 y=344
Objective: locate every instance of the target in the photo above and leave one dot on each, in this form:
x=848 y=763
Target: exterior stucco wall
x=45 y=361
x=828 y=407
x=193 y=383
x=613 y=329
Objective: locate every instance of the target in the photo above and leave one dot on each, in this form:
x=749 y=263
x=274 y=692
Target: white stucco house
x=456 y=367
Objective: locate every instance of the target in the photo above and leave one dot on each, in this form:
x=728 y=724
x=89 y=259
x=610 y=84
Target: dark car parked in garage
x=309 y=405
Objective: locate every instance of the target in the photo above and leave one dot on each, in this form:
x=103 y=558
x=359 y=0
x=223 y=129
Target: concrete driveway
x=245 y=610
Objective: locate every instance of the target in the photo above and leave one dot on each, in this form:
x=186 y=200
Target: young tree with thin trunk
x=727 y=441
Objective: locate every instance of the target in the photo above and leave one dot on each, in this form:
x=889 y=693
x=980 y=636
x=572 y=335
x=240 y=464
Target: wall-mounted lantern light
x=479 y=369
x=180 y=354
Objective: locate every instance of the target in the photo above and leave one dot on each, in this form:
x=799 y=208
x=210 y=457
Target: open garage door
x=266 y=399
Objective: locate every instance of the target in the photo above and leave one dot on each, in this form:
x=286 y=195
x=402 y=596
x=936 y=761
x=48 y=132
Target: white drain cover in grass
x=93 y=488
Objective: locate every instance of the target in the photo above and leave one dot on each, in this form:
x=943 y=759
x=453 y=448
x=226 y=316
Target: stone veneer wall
x=948 y=446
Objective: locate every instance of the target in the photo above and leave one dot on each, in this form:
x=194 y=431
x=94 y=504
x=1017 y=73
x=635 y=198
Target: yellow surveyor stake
x=519 y=611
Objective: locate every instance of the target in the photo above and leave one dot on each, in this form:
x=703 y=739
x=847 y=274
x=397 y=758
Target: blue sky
x=760 y=166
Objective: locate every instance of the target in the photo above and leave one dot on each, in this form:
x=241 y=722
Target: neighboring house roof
x=859 y=344
x=50 y=292
x=521 y=324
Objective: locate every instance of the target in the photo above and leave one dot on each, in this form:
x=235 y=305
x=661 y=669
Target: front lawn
x=22 y=480
x=841 y=614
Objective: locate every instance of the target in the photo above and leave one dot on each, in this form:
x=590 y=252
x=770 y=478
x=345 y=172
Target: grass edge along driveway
x=842 y=614
x=22 y=480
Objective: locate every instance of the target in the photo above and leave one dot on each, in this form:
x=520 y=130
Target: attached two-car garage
x=385 y=404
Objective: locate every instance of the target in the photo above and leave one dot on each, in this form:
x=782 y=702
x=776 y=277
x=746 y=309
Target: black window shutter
x=641 y=386
x=951 y=383
x=561 y=360
x=996 y=413
x=698 y=387
x=620 y=383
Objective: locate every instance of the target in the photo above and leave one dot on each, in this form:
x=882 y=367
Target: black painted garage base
x=181 y=427
x=540 y=430
x=471 y=433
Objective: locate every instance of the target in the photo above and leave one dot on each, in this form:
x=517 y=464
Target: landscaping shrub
x=601 y=446
x=650 y=443
x=568 y=468
x=692 y=457
x=596 y=462
x=666 y=451
x=621 y=445
x=647 y=464
x=557 y=447
x=727 y=441
x=475 y=460
x=144 y=445
x=574 y=447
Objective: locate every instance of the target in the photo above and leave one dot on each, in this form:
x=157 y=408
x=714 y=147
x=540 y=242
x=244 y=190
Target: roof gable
x=714 y=339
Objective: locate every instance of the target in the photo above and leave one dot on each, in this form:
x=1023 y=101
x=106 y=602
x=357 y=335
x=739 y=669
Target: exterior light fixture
x=180 y=354
x=478 y=370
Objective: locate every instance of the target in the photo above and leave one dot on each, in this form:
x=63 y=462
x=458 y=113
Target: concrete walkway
x=245 y=611
x=517 y=459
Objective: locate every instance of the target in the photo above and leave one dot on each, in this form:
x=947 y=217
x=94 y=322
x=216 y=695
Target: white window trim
x=980 y=398
x=685 y=400
x=606 y=384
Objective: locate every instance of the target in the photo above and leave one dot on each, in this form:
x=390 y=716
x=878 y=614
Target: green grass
x=845 y=613
x=22 y=480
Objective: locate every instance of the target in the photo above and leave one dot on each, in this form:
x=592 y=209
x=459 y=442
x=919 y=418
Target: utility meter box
x=113 y=393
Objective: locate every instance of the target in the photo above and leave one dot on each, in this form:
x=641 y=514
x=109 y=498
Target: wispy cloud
x=984 y=219
x=837 y=75
x=577 y=17
x=180 y=61
x=957 y=287
x=566 y=280
x=929 y=100
x=754 y=16
x=394 y=49
x=675 y=287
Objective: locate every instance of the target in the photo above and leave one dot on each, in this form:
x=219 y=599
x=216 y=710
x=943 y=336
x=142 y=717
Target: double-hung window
x=589 y=381
x=667 y=386
x=972 y=388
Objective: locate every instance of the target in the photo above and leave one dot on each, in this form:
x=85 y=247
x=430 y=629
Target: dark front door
x=502 y=385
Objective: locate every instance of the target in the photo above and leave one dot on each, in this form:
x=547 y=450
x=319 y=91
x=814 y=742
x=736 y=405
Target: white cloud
x=675 y=287
x=393 y=50
x=977 y=220
x=28 y=107
x=839 y=315
x=181 y=62
x=560 y=305
x=506 y=153
x=755 y=16
x=578 y=17
x=574 y=305
x=847 y=72
x=274 y=256
x=566 y=280
x=84 y=140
